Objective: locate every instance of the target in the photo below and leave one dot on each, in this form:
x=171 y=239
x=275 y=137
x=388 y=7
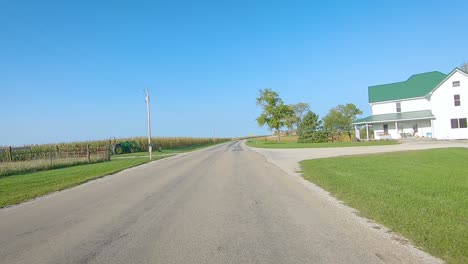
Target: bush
x=313 y=137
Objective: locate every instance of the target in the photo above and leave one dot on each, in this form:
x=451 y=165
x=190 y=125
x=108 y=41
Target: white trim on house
x=393 y=120
x=399 y=100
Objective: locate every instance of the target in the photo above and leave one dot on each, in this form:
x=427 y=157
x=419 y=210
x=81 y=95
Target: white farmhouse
x=429 y=104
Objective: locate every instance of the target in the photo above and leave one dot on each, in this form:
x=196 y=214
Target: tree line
x=277 y=115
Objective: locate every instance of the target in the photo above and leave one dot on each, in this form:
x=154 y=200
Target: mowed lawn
x=19 y=188
x=284 y=145
x=422 y=195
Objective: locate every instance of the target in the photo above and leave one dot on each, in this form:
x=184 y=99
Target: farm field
x=19 y=160
x=422 y=195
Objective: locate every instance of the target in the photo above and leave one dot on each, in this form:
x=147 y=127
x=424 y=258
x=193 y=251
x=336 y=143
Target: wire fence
x=25 y=159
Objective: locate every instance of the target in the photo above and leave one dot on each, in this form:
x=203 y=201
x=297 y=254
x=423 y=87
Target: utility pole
x=147 y=99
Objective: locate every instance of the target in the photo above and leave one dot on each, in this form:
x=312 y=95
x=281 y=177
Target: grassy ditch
x=21 y=167
x=19 y=188
x=422 y=195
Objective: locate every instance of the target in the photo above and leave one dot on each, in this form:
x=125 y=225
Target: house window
x=462 y=122
x=456 y=83
x=385 y=128
x=398 y=107
x=456 y=99
x=458 y=123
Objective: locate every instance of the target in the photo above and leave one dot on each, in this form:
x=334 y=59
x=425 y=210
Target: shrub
x=313 y=137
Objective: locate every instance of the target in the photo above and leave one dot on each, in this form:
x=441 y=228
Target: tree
x=309 y=129
x=341 y=117
x=464 y=67
x=300 y=109
x=275 y=113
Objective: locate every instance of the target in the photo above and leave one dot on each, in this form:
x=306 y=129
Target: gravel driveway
x=288 y=159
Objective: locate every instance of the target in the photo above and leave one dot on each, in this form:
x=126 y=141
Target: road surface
x=225 y=204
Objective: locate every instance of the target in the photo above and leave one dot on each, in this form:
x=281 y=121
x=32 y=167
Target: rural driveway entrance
x=288 y=159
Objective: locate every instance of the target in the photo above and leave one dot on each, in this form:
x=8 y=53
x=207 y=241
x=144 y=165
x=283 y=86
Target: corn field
x=174 y=142
x=16 y=160
x=26 y=159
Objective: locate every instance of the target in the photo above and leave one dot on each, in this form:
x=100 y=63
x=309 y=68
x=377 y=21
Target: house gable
x=418 y=85
x=444 y=108
x=456 y=70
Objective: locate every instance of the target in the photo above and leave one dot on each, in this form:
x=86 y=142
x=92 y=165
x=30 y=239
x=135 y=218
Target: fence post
x=57 y=152
x=10 y=156
x=50 y=158
x=88 y=153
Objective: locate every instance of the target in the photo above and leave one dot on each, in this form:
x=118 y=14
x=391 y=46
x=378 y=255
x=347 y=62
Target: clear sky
x=76 y=70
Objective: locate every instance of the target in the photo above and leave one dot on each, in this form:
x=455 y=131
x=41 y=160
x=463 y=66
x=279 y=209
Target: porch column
x=432 y=128
x=396 y=128
x=367 y=132
x=357 y=133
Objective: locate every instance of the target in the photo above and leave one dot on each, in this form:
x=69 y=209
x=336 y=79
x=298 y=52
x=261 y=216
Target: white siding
x=383 y=108
x=443 y=107
x=406 y=106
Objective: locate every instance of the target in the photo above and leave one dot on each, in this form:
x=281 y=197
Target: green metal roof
x=416 y=115
x=417 y=85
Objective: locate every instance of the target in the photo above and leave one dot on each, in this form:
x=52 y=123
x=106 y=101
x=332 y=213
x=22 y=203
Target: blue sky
x=76 y=70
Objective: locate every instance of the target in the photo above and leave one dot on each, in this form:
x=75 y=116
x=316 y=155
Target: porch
x=397 y=125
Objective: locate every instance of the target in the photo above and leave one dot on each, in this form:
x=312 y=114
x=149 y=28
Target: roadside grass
x=19 y=188
x=422 y=195
x=283 y=145
x=21 y=167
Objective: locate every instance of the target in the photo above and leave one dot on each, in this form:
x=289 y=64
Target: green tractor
x=124 y=147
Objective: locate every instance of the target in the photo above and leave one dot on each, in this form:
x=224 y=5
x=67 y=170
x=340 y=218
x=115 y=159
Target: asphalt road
x=225 y=204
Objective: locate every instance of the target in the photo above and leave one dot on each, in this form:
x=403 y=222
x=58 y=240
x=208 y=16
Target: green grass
x=422 y=195
x=19 y=188
x=269 y=144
